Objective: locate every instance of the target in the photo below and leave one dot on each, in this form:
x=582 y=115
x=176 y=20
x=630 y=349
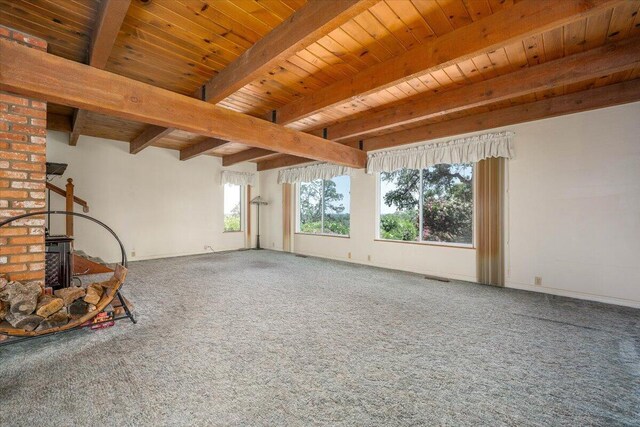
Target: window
x=323 y=206
x=232 y=207
x=429 y=205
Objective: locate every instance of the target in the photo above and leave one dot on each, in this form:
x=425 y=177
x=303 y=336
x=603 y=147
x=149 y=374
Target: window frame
x=297 y=214
x=472 y=245
x=242 y=210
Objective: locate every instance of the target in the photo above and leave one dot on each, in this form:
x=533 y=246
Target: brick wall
x=22 y=176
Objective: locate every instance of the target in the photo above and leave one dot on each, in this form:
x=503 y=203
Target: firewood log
x=4 y=310
x=70 y=294
x=56 y=319
x=28 y=322
x=118 y=309
x=48 y=304
x=22 y=299
x=94 y=293
x=78 y=308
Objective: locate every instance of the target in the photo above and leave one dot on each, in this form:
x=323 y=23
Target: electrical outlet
x=538 y=281
x=273 y=244
x=133 y=254
x=368 y=257
x=349 y=255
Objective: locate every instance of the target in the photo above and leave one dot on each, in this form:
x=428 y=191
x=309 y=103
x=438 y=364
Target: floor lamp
x=258 y=201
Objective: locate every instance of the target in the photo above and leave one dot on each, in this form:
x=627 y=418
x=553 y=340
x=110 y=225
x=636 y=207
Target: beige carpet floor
x=265 y=338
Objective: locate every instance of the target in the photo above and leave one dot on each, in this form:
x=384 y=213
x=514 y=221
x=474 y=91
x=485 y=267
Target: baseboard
x=181 y=254
x=460 y=277
x=573 y=294
x=539 y=289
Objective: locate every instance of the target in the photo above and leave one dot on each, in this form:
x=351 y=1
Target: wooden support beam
x=58 y=122
x=512 y=24
x=605 y=96
x=111 y=14
x=110 y=17
x=598 y=62
x=31 y=72
x=201 y=148
x=245 y=155
x=79 y=120
x=281 y=161
x=602 y=97
x=150 y=135
x=306 y=25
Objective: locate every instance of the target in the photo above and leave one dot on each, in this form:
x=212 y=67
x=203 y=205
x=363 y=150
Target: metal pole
x=258 y=228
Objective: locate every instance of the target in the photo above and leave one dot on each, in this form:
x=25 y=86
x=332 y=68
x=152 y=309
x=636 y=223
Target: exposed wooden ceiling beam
x=608 y=59
x=245 y=155
x=58 y=122
x=201 y=148
x=605 y=96
x=601 y=97
x=281 y=162
x=601 y=61
x=108 y=22
x=512 y=24
x=110 y=18
x=77 y=124
x=306 y=25
x=31 y=72
x=150 y=135
x=611 y=58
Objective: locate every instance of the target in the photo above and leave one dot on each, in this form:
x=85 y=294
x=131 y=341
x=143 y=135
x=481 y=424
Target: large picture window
x=428 y=205
x=232 y=207
x=324 y=206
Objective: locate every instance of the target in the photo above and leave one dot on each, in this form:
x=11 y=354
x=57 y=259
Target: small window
x=324 y=206
x=232 y=207
x=429 y=205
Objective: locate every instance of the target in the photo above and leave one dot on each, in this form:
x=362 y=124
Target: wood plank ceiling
x=180 y=45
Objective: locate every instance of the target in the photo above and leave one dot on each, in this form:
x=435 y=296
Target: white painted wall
x=574 y=205
x=454 y=262
x=159 y=205
x=451 y=262
x=573 y=208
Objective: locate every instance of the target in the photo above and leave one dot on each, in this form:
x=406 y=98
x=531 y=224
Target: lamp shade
x=259 y=201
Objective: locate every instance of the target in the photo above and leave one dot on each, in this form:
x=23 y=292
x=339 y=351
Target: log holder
x=128 y=314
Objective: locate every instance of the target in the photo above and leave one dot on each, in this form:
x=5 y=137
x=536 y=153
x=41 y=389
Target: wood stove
x=58 y=261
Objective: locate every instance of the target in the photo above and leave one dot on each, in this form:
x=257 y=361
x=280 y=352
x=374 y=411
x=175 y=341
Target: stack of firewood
x=27 y=306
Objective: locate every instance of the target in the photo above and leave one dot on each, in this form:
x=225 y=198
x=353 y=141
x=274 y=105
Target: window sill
x=323 y=235
x=233 y=231
x=437 y=244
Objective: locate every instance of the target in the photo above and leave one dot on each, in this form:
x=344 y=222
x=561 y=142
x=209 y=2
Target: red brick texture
x=22 y=176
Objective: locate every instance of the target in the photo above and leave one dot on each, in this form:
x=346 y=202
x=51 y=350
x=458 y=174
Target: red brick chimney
x=23 y=124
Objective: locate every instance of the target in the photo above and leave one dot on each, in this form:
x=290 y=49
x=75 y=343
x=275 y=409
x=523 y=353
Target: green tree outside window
x=324 y=206
x=431 y=205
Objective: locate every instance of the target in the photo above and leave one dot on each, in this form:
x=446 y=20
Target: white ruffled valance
x=238 y=178
x=312 y=172
x=463 y=150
